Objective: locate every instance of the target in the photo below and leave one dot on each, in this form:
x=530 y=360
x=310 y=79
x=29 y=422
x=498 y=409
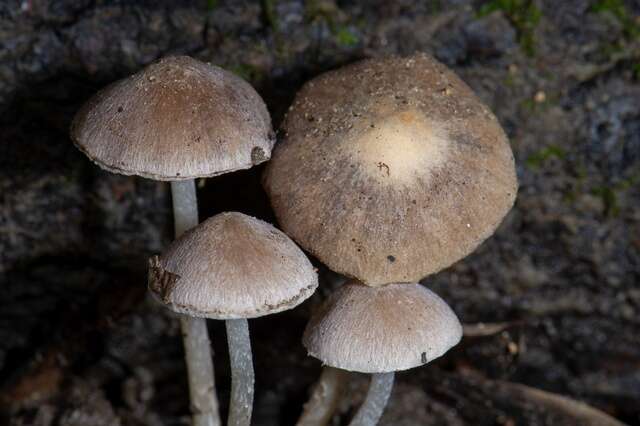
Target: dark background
x=81 y=344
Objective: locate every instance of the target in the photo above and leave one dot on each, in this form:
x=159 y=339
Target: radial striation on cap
x=232 y=266
x=390 y=170
x=176 y=119
x=381 y=329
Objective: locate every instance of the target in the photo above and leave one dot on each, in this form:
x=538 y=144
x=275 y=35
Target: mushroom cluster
x=180 y=119
x=389 y=171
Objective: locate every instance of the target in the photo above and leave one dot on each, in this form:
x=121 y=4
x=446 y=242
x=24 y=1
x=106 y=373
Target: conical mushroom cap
x=381 y=329
x=390 y=170
x=176 y=119
x=232 y=266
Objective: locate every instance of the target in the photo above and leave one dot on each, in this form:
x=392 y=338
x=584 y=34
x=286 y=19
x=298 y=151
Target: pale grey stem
x=242 y=378
x=185 y=205
x=197 y=349
x=377 y=397
x=324 y=399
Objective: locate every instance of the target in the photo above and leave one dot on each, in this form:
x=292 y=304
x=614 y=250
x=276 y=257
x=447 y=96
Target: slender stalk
x=197 y=349
x=242 y=378
x=324 y=398
x=204 y=405
x=185 y=206
x=377 y=397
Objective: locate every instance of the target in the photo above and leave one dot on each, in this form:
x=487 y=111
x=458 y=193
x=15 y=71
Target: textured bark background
x=81 y=344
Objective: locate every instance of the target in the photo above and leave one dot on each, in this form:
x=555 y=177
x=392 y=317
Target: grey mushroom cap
x=176 y=119
x=390 y=170
x=232 y=266
x=381 y=329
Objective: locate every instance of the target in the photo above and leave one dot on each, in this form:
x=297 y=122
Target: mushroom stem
x=242 y=377
x=204 y=405
x=377 y=397
x=185 y=205
x=324 y=398
x=197 y=349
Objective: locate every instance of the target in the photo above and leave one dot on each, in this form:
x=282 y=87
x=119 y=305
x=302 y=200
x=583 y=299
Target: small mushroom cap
x=232 y=266
x=390 y=170
x=381 y=329
x=176 y=119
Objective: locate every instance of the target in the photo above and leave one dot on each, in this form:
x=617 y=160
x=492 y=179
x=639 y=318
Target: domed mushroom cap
x=232 y=266
x=176 y=119
x=381 y=329
x=390 y=170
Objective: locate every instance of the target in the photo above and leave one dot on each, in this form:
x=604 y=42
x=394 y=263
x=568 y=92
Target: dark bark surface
x=82 y=344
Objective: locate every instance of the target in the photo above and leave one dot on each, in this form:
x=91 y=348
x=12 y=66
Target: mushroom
x=390 y=170
x=380 y=330
x=233 y=267
x=176 y=120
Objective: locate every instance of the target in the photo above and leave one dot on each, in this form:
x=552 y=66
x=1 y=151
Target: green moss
x=617 y=8
x=536 y=160
x=528 y=104
x=581 y=172
x=345 y=37
x=524 y=15
x=270 y=14
x=335 y=19
x=247 y=72
x=509 y=81
x=211 y=5
x=576 y=185
x=609 y=198
x=635 y=70
x=610 y=193
x=629 y=183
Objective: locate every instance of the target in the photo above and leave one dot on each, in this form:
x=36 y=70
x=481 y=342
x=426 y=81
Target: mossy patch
x=270 y=14
x=247 y=72
x=524 y=15
x=635 y=70
x=211 y=5
x=536 y=160
x=345 y=37
x=338 y=22
x=610 y=194
x=617 y=8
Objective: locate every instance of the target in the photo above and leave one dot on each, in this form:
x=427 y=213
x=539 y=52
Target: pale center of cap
x=400 y=147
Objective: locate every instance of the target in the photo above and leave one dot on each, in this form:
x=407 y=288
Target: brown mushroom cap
x=176 y=119
x=232 y=266
x=381 y=329
x=390 y=170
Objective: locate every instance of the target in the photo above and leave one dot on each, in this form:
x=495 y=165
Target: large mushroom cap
x=381 y=329
x=178 y=118
x=232 y=266
x=390 y=170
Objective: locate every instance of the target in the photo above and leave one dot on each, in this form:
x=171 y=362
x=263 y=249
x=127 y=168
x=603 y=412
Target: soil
x=82 y=344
